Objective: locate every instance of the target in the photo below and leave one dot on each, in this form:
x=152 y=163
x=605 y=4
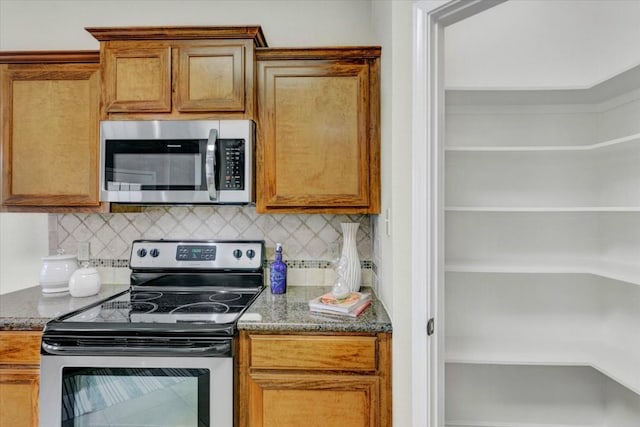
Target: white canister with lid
x=84 y=282
x=56 y=271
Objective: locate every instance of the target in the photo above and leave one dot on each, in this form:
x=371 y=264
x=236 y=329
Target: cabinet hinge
x=431 y=325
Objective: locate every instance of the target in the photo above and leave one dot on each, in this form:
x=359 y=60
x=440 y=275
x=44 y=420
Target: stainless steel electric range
x=160 y=353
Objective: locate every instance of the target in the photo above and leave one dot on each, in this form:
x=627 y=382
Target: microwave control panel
x=232 y=162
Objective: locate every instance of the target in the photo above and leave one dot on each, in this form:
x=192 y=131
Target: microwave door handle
x=210 y=165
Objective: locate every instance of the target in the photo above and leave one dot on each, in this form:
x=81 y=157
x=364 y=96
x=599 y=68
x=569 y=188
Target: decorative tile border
x=303 y=264
x=300 y=273
x=109 y=263
x=315 y=264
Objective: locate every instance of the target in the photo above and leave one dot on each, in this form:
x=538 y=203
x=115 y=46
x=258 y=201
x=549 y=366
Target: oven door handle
x=210 y=164
x=219 y=349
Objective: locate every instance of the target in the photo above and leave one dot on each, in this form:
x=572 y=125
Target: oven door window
x=157 y=164
x=173 y=397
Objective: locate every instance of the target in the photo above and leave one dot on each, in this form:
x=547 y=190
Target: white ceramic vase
x=349 y=264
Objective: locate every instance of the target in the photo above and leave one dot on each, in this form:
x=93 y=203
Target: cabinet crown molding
x=326 y=53
x=49 y=57
x=180 y=33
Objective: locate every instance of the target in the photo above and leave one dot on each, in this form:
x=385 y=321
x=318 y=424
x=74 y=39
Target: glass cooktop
x=169 y=306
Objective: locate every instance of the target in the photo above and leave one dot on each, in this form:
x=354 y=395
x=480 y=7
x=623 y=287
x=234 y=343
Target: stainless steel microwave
x=177 y=161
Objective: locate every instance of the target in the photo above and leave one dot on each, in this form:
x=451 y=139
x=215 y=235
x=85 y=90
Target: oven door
x=141 y=391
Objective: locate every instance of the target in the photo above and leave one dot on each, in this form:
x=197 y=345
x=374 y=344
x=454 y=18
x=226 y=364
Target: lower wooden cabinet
x=19 y=378
x=314 y=380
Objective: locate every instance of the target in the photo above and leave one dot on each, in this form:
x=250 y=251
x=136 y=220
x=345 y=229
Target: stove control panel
x=197 y=254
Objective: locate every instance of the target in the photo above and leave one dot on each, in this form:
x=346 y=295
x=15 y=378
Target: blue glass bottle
x=278 y=273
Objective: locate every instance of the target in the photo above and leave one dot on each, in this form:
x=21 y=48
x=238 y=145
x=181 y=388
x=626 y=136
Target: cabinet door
x=137 y=79
x=19 y=390
x=210 y=78
x=288 y=380
x=317 y=150
x=19 y=378
x=50 y=135
x=293 y=400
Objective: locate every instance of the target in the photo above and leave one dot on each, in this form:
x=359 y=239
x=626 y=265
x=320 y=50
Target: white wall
x=59 y=24
x=392 y=21
x=23 y=242
x=543 y=44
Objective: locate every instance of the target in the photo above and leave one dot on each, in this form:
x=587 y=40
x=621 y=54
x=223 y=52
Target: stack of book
x=351 y=306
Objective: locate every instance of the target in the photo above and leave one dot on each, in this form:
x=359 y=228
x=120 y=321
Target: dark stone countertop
x=289 y=312
x=30 y=309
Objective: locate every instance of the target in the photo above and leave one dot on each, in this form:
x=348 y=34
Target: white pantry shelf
x=510 y=351
x=622 y=368
x=619 y=272
x=527 y=396
x=471 y=423
x=542 y=209
x=612 y=362
x=562 y=181
x=616 y=142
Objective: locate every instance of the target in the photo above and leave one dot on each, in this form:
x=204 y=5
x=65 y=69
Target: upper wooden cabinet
x=318 y=130
x=173 y=71
x=49 y=106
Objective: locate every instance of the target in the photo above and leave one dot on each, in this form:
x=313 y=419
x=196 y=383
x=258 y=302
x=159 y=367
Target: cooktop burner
x=201 y=307
x=175 y=307
x=145 y=296
x=172 y=301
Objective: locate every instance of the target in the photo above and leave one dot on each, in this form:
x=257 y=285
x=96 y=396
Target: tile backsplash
x=310 y=242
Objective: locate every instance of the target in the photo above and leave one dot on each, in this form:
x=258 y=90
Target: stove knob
x=154 y=253
x=251 y=253
x=237 y=253
x=142 y=252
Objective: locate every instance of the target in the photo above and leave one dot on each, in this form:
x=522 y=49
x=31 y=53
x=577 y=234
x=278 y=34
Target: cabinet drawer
x=20 y=347
x=351 y=353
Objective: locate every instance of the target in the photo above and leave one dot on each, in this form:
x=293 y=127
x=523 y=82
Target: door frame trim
x=430 y=18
